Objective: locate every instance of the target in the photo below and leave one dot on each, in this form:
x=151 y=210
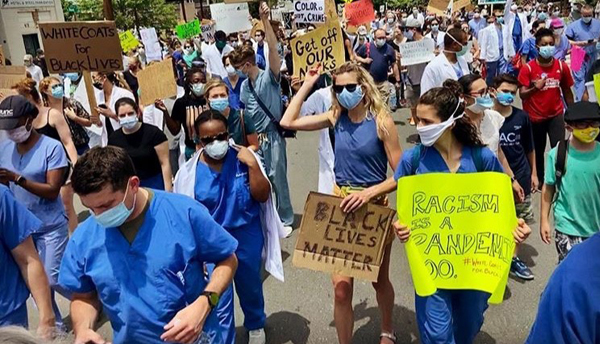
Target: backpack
x=420 y=150
x=560 y=166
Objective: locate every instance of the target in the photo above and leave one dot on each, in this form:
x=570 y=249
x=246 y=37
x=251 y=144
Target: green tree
x=128 y=13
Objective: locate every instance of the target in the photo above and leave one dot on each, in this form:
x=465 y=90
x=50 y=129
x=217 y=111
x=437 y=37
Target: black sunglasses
x=340 y=88
x=219 y=137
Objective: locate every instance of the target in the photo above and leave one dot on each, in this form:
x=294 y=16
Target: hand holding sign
x=264 y=11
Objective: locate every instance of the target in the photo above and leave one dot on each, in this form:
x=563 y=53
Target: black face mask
x=98 y=85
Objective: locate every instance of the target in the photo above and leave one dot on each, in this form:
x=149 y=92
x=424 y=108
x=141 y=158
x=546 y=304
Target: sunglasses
x=219 y=137
x=586 y=124
x=340 y=88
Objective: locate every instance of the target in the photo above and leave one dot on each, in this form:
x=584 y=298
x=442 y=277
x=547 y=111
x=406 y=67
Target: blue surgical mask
x=349 y=100
x=435 y=28
x=72 y=76
x=500 y=20
x=240 y=73
x=462 y=51
x=505 y=98
x=198 y=89
x=586 y=20
x=128 y=122
x=547 y=51
x=543 y=16
x=114 y=217
x=219 y=104
x=58 y=92
x=481 y=104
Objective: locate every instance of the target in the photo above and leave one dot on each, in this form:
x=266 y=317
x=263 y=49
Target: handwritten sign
x=231 y=17
x=128 y=41
x=309 y=11
x=349 y=244
x=460 y=4
x=151 y=44
x=324 y=45
x=157 y=82
x=360 y=12
x=188 y=30
x=438 y=6
x=81 y=46
x=208 y=30
x=461 y=227
x=10 y=75
x=417 y=52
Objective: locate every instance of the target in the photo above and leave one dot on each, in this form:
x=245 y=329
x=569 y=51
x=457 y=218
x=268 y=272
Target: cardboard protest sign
x=208 y=30
x=417 y=52
x=309 y=11
x=360 y=12
x=10 y=75
x=151 y=44
x=188 y=30
x=324 y=45
x=231 y=17
x=157 y=82
x=349 y=244
x=460 y=4
x=461 y=230
x=1 y=56
x=81 y=46
x=438 y=6
x=331 y=10
x=128 y=41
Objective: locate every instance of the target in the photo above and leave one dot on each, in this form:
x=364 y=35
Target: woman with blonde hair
x=366 y=142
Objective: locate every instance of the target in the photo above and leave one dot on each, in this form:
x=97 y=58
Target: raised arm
x=274 y=59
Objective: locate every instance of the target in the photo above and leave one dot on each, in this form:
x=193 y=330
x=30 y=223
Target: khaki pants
x=385 y=90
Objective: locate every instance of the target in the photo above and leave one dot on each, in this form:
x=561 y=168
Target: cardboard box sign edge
x=333 y=268
x=51 y=42
x=144 y=100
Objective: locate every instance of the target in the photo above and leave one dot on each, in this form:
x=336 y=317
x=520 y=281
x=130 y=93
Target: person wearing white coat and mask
x=515 y=27
x=492 y=42
x=450 y=64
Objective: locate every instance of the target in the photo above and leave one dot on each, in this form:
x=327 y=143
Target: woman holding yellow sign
x=366 y=141
x=450 y=144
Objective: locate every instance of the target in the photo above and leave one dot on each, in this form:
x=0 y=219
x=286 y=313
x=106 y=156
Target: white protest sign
x=152 y=47
x=231 y=17
x=208 y=31
x=309 y=11
x=417 y=52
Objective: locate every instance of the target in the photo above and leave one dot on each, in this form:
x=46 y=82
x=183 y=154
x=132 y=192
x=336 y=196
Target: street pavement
x=300 y=310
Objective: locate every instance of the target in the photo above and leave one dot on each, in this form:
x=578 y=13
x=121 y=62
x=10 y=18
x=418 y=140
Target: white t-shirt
x=36 y=73
x=214 y=60
x=490 y=129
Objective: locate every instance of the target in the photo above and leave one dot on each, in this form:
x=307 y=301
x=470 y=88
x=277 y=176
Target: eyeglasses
x=585 y=124
x=219 y=137
x=340 y=88
x=480 y=93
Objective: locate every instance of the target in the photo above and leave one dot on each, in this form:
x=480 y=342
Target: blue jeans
x=451 y=316
x=51 y=247
x=494 y=69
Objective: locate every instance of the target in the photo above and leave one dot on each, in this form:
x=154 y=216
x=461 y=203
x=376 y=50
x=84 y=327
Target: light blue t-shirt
x=46 y=155
x=268 y=90
x=16 y=225
x=580 y=31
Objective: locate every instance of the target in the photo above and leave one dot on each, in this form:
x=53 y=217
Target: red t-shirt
x=547 y=102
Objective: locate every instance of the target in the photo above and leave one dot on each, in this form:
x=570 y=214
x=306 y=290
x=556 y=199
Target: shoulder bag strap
x=262 y=105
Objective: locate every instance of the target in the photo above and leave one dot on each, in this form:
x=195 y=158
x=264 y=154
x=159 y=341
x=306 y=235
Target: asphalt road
x=300 y=310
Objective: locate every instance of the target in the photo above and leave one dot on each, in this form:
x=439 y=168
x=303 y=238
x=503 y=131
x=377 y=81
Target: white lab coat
x=509 y=25
x=214 y=60
x=116 y=94
x=439 y=43
x=488 y=43
x=184 y=184
x=266 y=50
x=318 y=103
x=439 y=70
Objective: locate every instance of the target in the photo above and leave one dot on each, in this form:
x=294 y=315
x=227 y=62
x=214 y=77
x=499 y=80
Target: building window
x=31 y=43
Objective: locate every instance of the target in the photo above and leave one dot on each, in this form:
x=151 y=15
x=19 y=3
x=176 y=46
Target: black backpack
x=560 y=166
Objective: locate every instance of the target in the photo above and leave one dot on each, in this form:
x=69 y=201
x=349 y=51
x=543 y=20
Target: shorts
x=525 y=210
x=385 y=90
x=413 y=93
x=565 y=243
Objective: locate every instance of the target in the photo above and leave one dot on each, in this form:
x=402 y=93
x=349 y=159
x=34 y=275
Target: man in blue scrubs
x=21 y=270
x=141 y=255
x=584 y=33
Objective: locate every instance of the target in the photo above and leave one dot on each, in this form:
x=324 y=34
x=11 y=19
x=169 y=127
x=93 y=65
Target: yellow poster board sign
x=597 y=86
x=324 y=45
x=128 y=41
x=461 y=231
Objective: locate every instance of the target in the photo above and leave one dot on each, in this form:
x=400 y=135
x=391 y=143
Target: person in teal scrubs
x=229 y=182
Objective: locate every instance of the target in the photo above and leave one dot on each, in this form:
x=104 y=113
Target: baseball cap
x=556 y=22
x=12 y=108
x=582 y=111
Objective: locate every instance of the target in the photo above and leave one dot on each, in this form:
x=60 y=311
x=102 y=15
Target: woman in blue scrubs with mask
x=228 y=180
x=366 y=142
x=450 y=144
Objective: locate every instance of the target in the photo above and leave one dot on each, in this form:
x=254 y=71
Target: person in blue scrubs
x=450 y=144
x=21 y=271
x=569 y=308
x=34 y=166
x=366 y=143
x=229 y=182
x=234 y=85
x=584 y=33
x=139 y=258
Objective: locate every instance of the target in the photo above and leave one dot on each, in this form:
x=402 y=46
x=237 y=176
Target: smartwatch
x=213 y=298
x=20 y=180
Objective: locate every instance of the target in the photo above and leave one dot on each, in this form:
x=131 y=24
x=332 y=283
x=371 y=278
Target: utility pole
x=183 y=10
x=109 y=13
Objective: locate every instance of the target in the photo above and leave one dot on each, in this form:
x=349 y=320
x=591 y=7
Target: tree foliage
x=128 y=13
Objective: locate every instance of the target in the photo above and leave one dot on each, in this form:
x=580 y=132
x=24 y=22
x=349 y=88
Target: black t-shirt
x=180 y=114
x=140 y=147
x=132 y=81
x=516 y=140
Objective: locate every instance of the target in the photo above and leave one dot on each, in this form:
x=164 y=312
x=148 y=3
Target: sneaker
x=288 y=231
x=518 y=268
x=257 y=336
